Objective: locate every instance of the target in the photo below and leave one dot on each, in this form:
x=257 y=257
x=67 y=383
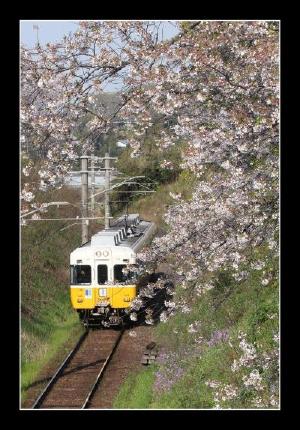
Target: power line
x=47 y=236
x=65 y=219
x=117 y=185
x=46 y=205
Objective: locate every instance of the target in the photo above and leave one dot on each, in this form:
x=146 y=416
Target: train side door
x=102 y=275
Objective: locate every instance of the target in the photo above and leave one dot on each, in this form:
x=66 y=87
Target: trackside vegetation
x=221 y=351
x=47 y=320
x=196 y=118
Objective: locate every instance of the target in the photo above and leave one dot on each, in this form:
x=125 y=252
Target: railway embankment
x=49 y=326
x=47 y=319
x=220 y=348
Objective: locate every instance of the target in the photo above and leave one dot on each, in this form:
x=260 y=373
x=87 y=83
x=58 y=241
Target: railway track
x=76 y=380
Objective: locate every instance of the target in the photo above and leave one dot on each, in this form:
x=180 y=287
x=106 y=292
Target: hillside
x=198 y=118
x=228 y=358
x=220 y=350
x=47 y=319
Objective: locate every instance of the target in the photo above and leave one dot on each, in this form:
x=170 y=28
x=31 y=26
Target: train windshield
x=80 y=274
x=122 y=274
x=102 y=273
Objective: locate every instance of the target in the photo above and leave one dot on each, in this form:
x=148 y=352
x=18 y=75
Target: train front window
x=80 y=274
x=122 y=274
x=119 y=276
x=102 y=273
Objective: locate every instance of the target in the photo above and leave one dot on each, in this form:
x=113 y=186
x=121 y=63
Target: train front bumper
x=115 y=296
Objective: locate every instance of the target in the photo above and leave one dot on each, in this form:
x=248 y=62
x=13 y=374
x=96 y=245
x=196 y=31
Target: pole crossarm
x=138 y=192
x=65 y=219
x=98 y=158
x=116 y=186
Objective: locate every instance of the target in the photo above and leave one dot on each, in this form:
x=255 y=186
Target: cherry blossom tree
x=220 y=80
x=59 y=86
x=217 y=82
x=215 y=86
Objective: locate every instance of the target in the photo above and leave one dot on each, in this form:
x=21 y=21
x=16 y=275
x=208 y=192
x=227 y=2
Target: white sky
x=53 y=31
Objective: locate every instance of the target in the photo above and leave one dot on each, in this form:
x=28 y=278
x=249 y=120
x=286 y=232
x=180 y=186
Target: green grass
x=43 y=351
x=136 y=393
x=247 y=306
x=153 y=206
x=244 y=306
x=241 y=310
x=47 y=318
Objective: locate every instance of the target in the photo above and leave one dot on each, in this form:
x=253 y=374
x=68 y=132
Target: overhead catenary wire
x=49 y=236
x=64 y=219
x=117 y=185
x=124 y=181
x=46 y=205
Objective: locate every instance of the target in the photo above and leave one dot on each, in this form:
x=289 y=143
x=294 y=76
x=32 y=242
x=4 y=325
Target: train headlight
x=102 y=292
x=104 y=253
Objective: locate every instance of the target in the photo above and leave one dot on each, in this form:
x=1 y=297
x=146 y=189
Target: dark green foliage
x=149 y=163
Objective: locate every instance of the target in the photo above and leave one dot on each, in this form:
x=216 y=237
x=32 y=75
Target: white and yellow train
x=102 y=288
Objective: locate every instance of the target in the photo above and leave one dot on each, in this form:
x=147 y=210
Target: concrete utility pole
x=93 y=185
x=84 y=199
x=107 y=187
x=36 y=27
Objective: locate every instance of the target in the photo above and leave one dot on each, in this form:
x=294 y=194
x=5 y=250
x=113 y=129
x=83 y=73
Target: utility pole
x=36 y=27
x=107 y=187
x=84 y=199
x=93 y=185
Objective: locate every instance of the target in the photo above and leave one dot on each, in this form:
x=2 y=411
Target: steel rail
x=58 y=372
x=100 y=374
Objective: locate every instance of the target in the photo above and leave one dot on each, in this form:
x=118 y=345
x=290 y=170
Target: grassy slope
x=244 y=306
x=47 y=319
x=153 y=206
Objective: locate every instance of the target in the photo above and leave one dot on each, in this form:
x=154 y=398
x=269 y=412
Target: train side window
x=121 y=275
x=118 y=274
x=102 y=273
x=80 y=274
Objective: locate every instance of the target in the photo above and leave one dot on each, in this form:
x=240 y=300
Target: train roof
x=130 y=231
